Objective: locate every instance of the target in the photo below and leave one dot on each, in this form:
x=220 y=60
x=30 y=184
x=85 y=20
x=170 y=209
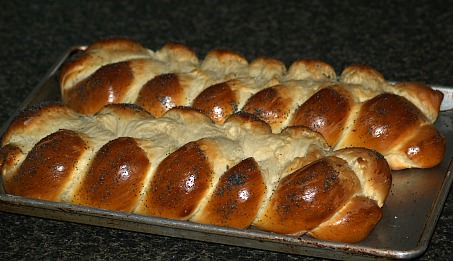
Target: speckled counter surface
x=404 y=40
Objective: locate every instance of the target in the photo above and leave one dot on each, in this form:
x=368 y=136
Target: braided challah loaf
x=182 y=166
x=359 y=109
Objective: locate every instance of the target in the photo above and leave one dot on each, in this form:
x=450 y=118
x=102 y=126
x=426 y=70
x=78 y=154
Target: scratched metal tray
x=410 y=213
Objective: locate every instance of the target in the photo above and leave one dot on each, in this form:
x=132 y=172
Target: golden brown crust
x=310 y=195
x=116 y=43
x=180 y=182
x=99 y=53
x=115 y=177
x=424 y=97
x=272 y=105
x=79 y=60
x=395 y=127
x=427 y=148
x=326 y=112
x=10 y=155
x=161 y=94
x=45 y=172
x=352 y=223
x=218 y=102
x=382 y=122
x=107 y=85
x=237 y=197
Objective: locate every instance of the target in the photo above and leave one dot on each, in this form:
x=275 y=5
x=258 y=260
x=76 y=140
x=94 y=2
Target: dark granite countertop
x=404 y=40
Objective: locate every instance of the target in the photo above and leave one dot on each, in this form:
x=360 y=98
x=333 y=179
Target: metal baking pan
x=410 y=213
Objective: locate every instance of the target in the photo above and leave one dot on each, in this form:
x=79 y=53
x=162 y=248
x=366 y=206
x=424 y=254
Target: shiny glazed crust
x=183 y=166
x=395 y=119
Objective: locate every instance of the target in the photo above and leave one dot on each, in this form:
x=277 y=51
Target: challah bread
x=358 y=109
x=239 y=174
